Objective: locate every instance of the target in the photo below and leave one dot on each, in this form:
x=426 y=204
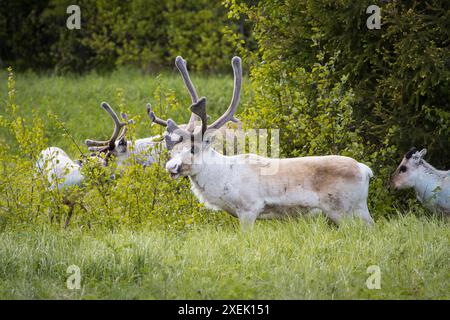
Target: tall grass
x=297 y=259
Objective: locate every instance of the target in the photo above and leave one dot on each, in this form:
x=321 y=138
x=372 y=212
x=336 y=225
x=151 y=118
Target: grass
x=206 y=257
x=297 y=259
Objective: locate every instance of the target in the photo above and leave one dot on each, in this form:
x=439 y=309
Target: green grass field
x=209 y=257
x=298 y=259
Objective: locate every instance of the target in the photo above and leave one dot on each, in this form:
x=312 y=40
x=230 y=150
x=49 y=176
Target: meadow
x=143 y=236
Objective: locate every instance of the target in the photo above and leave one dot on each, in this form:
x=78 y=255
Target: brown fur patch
x=317 y=172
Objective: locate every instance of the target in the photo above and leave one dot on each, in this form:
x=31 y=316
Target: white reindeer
x=118 y=146
x=62 y=172
x=432 y=186
x=249 y=186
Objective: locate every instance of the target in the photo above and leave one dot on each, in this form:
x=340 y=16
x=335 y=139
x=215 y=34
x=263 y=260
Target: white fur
x=60 y=170
x=230 y=183
x=433 y=189
x=432 y=186
x=146 y=151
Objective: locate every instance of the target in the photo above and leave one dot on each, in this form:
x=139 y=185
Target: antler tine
x=117 y=124
x=181 y=65
x=117 y=127
x=125 y=128
x=154 y=118
x=229 y=114
x=199 y=109
x=95 y=143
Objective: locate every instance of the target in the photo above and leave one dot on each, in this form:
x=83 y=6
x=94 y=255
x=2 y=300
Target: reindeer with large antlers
x=62 y=172
x=249 y=186
x=121 y=148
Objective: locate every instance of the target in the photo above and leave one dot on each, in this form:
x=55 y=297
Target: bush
x=333 y=86
x=143 y=33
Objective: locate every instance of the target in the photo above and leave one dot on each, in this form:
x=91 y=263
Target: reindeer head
x=117 y=145
x=406 y=173
x=188 y=144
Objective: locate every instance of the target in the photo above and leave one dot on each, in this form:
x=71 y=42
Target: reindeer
x=117 y=146
x=62 y=172
x=249 y=186
x=432 y=186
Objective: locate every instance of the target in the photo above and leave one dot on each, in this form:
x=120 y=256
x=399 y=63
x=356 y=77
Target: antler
x=199 y=108
x=229 y=113
x=154 y=118
x=125 y=128
x=181 y=65
x=171 y=127
x=97 y=145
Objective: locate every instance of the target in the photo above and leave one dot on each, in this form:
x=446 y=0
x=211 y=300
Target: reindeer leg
x=334 y=216
x=247 y=220
x=363 y=212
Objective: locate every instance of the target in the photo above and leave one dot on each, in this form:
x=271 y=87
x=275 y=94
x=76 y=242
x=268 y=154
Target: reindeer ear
x=122 y=142
x=418 y=155
x=171 y=141
x=422 y=152
x=171 y=126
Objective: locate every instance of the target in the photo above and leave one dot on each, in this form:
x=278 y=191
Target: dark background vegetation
x=142 y=33
x=316 y=71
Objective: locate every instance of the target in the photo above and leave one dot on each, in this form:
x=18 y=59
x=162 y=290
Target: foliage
x=329 y=84
x=333 y=86
x=110 y=197
x=143 y=33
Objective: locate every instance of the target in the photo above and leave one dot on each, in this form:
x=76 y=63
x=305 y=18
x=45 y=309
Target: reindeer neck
x=427 y=180
x=211 y=169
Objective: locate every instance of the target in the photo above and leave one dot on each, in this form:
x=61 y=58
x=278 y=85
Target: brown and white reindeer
x=432 y=186
x=249 y=186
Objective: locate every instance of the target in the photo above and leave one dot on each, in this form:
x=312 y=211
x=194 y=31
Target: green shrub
x=195 y=29
x=333 y=86
x=143 y=33
x=135 y=197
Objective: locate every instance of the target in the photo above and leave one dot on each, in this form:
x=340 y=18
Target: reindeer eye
x=403 y=169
